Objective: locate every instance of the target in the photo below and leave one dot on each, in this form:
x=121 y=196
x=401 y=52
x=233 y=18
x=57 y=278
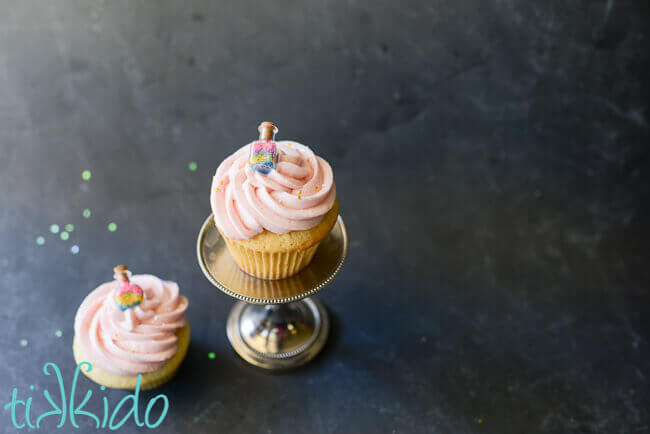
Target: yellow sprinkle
x=288 y=144
x=480 y=421
x=299 y=198
x=133 y=351
x=221 y=183
x=217 y=190
x=299 y=192
x=241 y=167
x=309 y=159
x=117 y=335
x=317 y=188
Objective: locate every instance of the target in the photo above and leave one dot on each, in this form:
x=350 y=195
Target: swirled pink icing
x=134 y=341
x=294 y=197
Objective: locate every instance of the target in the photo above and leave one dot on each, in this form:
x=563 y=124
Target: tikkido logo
x=65 y=408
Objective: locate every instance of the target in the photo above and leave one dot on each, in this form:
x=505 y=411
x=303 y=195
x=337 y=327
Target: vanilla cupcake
x=134 y=325
x=273 y=202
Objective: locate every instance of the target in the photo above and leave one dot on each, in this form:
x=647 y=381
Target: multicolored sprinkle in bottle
x=128 y=295
x=264 y=152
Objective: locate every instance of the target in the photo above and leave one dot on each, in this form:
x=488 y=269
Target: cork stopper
x=267 y=130
x=121 y=273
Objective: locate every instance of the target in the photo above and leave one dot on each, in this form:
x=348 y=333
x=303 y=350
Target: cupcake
x=134 y=325
x=273 y=203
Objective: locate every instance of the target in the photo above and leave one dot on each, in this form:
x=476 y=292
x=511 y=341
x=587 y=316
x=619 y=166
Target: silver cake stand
x=277 y=324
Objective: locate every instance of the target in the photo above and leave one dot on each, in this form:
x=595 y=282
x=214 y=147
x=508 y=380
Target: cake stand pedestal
x=277 y=324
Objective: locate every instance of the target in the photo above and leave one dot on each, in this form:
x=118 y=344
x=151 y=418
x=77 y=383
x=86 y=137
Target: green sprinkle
x=86 y=175
x=69 y=227
x=40 y=241
x=58 y=333
x=23 y=342
x=64 y=236
x=31 y=387
x=211 y=355
x=86 y=213
x=54 y=229
x=192 y=166
x=103 y=387
x=112 y=227
x=74 y=249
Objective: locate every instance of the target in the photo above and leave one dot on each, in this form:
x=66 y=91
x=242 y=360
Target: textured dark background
x=491 y=159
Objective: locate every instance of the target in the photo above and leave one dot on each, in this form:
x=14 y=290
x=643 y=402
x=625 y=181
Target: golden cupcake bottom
x=150 y=380
x=274 y=256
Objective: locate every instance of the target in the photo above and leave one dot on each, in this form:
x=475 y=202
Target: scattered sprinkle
x=133 y=351
x=192 y=166
x=23 y=342
x=64 y=236
x=480 y=421
x=31 y=387
x=309 y=159
x=58 y=333
x=289 y=144
x=221 y=183
x=299 y=197
x=74 y=249
x=40 y=240
x=317 y=188
x=299 y=191
x=69 y=227
x=86 y=175
x=117 y=335
x=211 y=355
x=103 y=387
x=54 y=229
x=86 y=213
x=112 y=227
x=217 y=190
x=241 y=167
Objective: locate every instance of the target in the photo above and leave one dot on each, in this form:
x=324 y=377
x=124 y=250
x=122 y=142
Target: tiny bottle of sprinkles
x=128 y=295
x=264 y=152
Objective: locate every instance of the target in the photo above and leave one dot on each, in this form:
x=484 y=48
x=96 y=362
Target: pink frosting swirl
x=294 y=197
x=134 y=341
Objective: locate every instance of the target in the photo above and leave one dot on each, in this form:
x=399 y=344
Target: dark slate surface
x=491 y=159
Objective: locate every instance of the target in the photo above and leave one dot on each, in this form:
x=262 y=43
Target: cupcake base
x=270 y=265
x=274 y=256
x=150 y=380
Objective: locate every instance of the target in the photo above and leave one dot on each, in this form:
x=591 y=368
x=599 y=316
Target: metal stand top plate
x=221 y=270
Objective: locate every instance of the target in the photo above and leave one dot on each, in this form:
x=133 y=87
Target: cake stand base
x=278 y=336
